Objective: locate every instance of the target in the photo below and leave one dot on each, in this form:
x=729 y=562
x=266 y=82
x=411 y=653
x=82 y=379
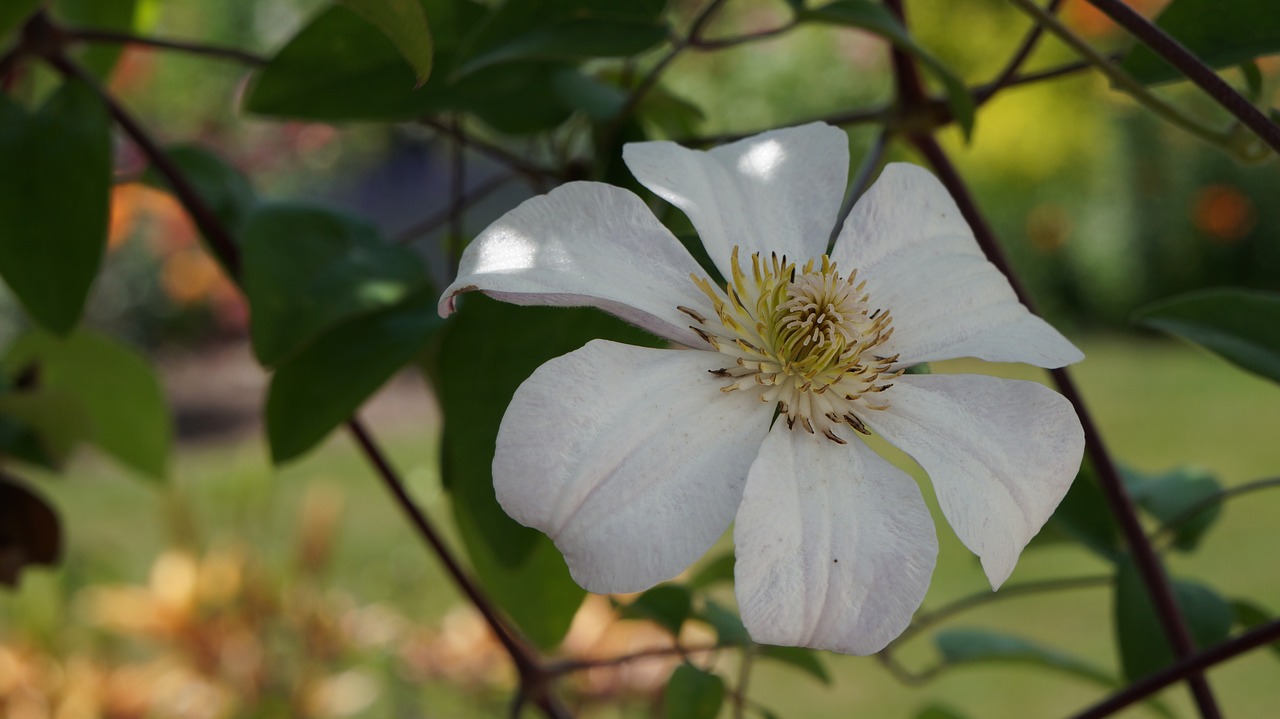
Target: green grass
x=1159 y=405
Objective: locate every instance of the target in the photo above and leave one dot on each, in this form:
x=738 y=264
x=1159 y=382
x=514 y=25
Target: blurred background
x=236 y=590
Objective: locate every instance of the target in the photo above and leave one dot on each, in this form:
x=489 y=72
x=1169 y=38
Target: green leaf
x=877 y=19
x=317 y=389
x=1243 y=326
x=405 y=23
x=43 y=425
x=564 y=30
x=308 y=269
x=1171 y=496
x=671 y=115
x=54 y=200
x=485 y=352
x=128 y=417
x=1143 y=646
x=806 y=660
x=14 y=13
x=1219 y=33
x=223 y=188
x=693 y=694
x=339 y=67
x=728 y=625
x=1247 y=615
x=716 y=571
x=29 y=531
x=667 y=605
x=966 y=646
x=99 y=58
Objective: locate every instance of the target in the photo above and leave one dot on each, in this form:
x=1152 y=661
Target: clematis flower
x=634 y=461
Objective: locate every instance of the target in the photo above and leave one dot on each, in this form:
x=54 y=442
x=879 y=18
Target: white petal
x=921 y=262
x=1001 y=454
x=779 y=191
x=834 y=545
x=586 y=243
x=632 y=460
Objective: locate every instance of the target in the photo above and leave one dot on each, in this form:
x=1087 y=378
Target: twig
x=1121 y=78
x=698 y=43
x=911 y=91
x=220 y=240
x=457 y=181
x=488 y=187
x=924 y=620
x=1152 y=571
x=536 y=175
x=1020 y=56
x=576 y=665
x=1190 y=666
x=1193 y=68
x=191 y=48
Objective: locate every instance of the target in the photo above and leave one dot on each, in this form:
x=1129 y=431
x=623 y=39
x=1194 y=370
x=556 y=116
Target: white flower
x=634 y=461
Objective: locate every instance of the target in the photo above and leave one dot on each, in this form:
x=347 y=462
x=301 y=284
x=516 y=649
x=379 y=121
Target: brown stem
x=536 y=175
x=121 y=38
x=1193 y=68
x=488 y=187
x=1020 y=56
x=866 y=173
x=577 y=665
x=1149 y=566
x=1190 y=666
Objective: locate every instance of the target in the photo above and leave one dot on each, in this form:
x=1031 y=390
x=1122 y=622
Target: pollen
x=807 y=339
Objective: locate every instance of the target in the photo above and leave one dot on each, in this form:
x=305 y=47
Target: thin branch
x=434 y=222
x=530 y=670
x=1188 y=667
x=1152 y=571
x=191 y=48
x=924 y=620
x=1193 y=68
x=699 y=43
x=457 y=182
x=902 y=673
x=1020 y=56
x=576 y=665
x=219 y=239
x=1119 y=77
x=535 y=174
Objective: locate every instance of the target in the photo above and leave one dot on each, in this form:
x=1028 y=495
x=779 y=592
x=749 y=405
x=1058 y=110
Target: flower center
x=805 y=339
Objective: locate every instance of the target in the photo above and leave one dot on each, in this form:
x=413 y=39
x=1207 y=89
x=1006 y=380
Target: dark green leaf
x=668 y=605
x=486 y=351
x=715 y=571
x=13 y=13
x=223 y=188
x=1219 y=33
x=806 y=660
x=43 y=425
x=674 y=117
x=339 y=67
x=54 y=199
x=404 y=22
x=29 y=531
x=876 y=18
x=599 y=100
x=728 y=626
x=321 y=386
x=1143 y=646
x=308 y=269
x=1185 y=497
x=117 y=387
x=963 y=646
x=1253 y=80
x=1243 y=326
x=563 y=30
x=693 y=694
x=119 y=15
x=1247 y=615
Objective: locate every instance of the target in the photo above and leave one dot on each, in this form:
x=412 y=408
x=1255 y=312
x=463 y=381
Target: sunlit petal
x=586 y=243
